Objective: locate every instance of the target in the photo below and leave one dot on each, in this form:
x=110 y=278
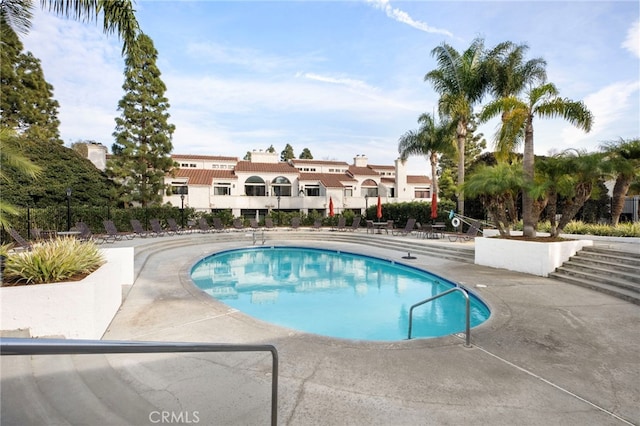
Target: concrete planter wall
x=76 y=310
x=525 y=256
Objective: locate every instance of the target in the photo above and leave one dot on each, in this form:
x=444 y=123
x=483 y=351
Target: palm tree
x=461 y=80
x=11 y=156
x=497 y=187
x=542 y=101
x=118 y=16
x=429 y=140
x=623 y=157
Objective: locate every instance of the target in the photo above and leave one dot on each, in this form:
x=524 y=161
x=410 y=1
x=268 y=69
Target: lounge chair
x=408 y=228
x=22 y=243
x=218 y=226
x=156 y=228
x=238 y=224
x=173 y=227
x=471 y=233
x=295 y=223
x=317 y=224
x=370 y=227
x=268 y=223
x=254 y=224
x=113 y=234
x=342 y=224
x=139 y=230
x=389 y=227
x=86 y=234
x=203 y=225
x=355 y=225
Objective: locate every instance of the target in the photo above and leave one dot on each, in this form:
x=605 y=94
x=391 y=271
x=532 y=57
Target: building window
x=369 y=188
x=312 y=190
x=422 y=193
x=179 y=188
x=221 y=189
x=281 y=186
x=348 y=192
x=255 y=187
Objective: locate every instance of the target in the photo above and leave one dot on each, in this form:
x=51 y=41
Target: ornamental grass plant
x=622 y=229
x=62 y=259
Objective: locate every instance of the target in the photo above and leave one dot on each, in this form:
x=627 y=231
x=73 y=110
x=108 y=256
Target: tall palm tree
x=118 y=16
x=541 y=101
x=623 y=158
x=430 y=139
x=461 y=80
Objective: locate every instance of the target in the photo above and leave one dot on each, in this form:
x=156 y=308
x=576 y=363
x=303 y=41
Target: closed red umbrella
x=331 y=213
x=434 y=206
x=379 y=210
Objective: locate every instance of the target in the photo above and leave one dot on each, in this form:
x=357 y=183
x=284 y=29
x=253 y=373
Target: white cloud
x=632 y=42
x=403 y=17
x=251 y=59
x=608 y=105
x=349 y=82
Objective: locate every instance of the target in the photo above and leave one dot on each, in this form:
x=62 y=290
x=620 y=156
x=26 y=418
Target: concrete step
x=612 y=290
x=632 y=270
x=624 y=257
x=68 y=390
x=599 y=275
x=609 y=271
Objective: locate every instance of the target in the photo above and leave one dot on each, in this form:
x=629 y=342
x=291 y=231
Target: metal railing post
x=444 y=293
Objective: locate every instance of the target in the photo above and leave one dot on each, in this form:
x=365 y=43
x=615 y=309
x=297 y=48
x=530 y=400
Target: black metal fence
x=50 y=220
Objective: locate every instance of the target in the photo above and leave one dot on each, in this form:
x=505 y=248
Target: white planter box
x=76 y=310
x=525 y=256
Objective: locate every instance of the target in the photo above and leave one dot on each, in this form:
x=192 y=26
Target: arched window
x=255 y=187
x=281 y=186
x=369 y=188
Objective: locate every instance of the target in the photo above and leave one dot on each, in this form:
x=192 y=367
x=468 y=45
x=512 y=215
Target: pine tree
x=287 y=153
x=306 y=154
x=142 y=151
x=27 y=105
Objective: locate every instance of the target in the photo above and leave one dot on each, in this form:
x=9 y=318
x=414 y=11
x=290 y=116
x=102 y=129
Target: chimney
x=360 y=161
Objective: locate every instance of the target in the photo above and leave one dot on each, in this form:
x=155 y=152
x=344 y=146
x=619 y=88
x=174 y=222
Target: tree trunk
x=461 y=138
x=571 y=207
x=528 y=171
x=617 y=200
x=434 y=170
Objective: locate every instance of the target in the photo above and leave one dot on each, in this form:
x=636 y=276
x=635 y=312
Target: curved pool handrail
x=444 y=293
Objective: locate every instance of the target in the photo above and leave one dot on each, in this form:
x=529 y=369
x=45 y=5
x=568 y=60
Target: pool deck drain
x=550 y=353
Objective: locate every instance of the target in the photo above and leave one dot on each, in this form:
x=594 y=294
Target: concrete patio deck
x=551 y=353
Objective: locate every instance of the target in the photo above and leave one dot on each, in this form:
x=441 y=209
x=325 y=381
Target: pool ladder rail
x=255 y=237
x=444 y=293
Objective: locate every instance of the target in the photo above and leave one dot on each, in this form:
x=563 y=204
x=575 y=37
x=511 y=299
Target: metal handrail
x=444 y=293
x=22 y=346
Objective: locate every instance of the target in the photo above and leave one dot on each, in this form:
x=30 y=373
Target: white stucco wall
x=525 y=256
x=75 y=310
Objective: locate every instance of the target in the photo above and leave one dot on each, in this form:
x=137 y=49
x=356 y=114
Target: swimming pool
x=333 y=293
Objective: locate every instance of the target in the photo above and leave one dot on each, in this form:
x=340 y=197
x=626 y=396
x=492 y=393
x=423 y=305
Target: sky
x=341 y=78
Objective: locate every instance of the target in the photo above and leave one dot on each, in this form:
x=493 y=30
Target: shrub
x=53 y=261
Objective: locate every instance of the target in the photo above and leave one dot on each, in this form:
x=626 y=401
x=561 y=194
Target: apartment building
x=256 y=187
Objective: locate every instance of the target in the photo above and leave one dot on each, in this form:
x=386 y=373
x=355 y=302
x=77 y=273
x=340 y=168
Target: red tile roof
x=362 y=171
x=203 y=177
x=418 y=179
x=329 y=180
x=248 y=166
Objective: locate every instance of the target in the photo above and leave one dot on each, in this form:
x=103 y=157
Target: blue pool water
x=334 y=293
